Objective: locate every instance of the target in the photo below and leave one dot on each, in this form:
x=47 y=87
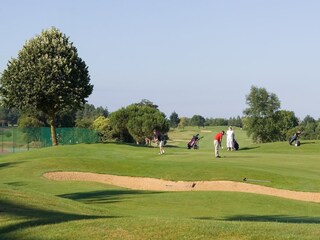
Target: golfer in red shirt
x=217 y=143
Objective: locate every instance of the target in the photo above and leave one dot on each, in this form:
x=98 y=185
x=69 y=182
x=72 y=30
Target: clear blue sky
x=193 y=57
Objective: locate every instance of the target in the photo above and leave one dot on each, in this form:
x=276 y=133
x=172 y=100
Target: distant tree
x=8 y=116
x=183 y=122
x=30 y=127
x=88 y=113
x=216 y=122
x=48 y=76
x=102 y=111
x=307 y=120
x=26 y=121
x=143 y=120
x=136 y=122
x=284 y=121
x=146 y=102
x=237 y=122
x=103 y=127
x=310 y=126
x=260 y=121
x=197 y=120
x=118 y=122
x=174 y=120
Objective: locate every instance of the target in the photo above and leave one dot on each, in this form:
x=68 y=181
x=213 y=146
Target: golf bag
x=292 y=139
x=295 y=138
x=194 y=142
x=235 y=144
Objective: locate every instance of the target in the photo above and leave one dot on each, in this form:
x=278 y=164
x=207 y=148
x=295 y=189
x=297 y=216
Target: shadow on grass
x=140 y=145
x=247 y=148
x=9 y=164
x=29 y=217
x=105 y=196
x=267 y=218
x=304 y=143
x=16 y=184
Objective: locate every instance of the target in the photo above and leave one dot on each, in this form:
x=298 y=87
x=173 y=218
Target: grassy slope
x=35 y=208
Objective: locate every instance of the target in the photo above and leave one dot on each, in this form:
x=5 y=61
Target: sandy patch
x=153 y=184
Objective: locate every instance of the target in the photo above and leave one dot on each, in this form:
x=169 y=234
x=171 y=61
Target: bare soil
x=153 y=184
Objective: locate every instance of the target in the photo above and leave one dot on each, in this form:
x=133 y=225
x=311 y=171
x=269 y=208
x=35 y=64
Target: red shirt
x=218 y=136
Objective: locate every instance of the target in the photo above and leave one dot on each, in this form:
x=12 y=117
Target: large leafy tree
x=48 y=76
x=136 y=122
x=260 y=121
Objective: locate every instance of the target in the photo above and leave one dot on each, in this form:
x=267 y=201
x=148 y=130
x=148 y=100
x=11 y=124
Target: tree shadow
x=105 y=196
x=140 y=145
x=16 y=184
x=34 y=217
x=267 y=218
x=9 y=164
x=247 y=148
x=305 y=143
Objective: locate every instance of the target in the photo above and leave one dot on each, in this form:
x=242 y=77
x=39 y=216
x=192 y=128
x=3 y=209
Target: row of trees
x=136 y=122
x=48 y=82
x=200 y=121
x=82 y=118
x=263 y=120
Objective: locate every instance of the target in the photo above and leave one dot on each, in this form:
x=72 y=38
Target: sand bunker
x=153 y=184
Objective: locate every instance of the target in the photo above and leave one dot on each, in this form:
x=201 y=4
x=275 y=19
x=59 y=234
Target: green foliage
x=30 y=126
x=118 y=121
x=284 y=121
x=174 y=120
x=48 y=76
x=8 y=134
x=143 y=119
x=8 y=116
x=197 y=120
x=136 y=122
x=217 y=122
x=103 y=127
x=88 y=113
x=261 y=103
x=29 y=122
x=237 y=122
x=311 y=128
x=183 y=122
x=260 y=118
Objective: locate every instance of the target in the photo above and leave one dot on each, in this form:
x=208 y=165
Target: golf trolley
x=193 y=143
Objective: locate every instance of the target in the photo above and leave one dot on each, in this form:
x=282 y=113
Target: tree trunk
x=53 y=131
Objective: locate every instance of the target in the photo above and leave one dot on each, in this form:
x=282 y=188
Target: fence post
x=12 y=140
x=2 y=133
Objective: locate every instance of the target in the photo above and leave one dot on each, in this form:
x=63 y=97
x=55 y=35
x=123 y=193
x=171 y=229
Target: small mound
x=153 y=184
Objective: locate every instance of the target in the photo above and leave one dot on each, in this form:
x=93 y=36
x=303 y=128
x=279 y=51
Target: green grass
x=32 y=207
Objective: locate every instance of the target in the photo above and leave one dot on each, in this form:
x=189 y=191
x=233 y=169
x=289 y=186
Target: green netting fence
x=13 y=139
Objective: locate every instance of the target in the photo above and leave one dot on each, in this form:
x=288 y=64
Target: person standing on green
x=217 y=143
x=160 y=139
